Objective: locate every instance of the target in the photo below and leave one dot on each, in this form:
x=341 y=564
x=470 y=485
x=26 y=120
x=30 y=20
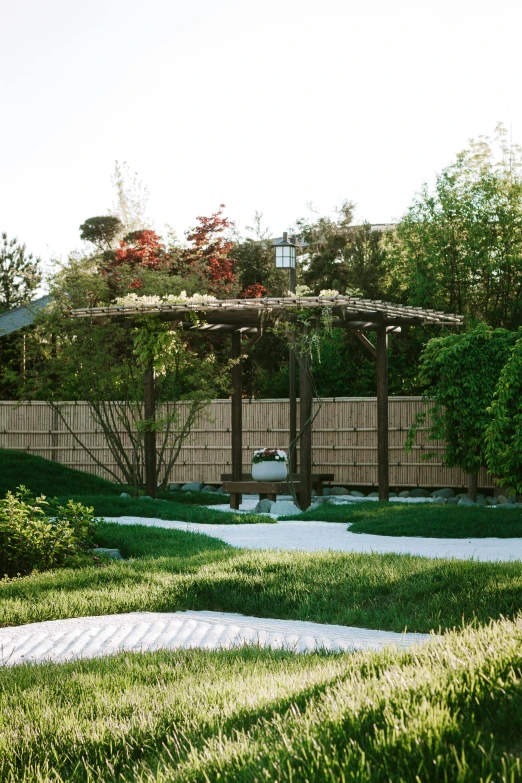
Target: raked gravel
x=60 y=641
x=334 y=536
x=92 y=637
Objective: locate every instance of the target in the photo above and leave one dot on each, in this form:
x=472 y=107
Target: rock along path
x=334 y=536
x=92 y=637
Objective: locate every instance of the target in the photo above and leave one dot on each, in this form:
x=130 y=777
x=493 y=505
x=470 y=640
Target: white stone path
x=335 y=536
x=89 y=637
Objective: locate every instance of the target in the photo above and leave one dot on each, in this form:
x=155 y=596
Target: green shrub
x=32 y=539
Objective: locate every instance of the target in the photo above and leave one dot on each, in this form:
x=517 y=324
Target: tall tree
x=101 y=231
x=132 y=197
x=459 y=247
x=19 y=273
x=208 y=256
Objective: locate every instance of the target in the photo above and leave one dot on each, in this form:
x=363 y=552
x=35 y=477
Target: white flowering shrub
x=134 y=300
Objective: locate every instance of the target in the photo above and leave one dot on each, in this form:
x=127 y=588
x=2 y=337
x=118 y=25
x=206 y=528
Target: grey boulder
x=465 y=501
x=502 y=500
x=443 y=493
x=419 y=492
x=264 y=506
x=146 y=497
x=285 y=508
x=219 y=491
x=491 y=501
x=439 y=501
x=174 y=487
x=124 y=495
x=356 y=494
x=405 y=493
x=193 y=486
x=453 y=501
x=339 y=491
x=373 y=495
x=208 y=488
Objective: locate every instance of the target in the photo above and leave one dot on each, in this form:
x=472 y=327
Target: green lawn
x=448 y=711
x=174 y=570
x=422 y=519
x=172 y=509
x=53 y=480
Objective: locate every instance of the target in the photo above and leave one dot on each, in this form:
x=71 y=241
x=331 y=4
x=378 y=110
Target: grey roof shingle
x=20 y=317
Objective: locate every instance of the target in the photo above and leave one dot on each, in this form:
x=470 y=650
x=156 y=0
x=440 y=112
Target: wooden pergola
x=245 y=320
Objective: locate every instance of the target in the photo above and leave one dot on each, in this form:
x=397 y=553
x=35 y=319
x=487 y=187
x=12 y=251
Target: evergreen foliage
x=20 y=274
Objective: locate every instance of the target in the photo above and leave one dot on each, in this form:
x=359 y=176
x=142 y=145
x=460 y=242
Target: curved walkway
x=92 y=637
x=334 y=536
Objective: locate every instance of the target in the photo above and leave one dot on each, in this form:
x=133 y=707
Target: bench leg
x=271 y=496
x=262 y=496
x=235 y=500
x=319 y=488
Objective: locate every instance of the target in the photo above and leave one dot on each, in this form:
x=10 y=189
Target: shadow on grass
x=177 y=571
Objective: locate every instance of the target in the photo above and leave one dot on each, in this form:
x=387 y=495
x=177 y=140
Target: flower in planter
x=269 y=455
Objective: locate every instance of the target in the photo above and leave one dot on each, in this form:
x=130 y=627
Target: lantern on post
x=285 y=253
x=285 y=258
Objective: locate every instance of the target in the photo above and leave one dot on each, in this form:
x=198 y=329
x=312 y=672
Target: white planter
x=269 y=471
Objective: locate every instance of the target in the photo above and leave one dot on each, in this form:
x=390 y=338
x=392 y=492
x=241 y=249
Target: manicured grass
x=422 y=519
x=109 y=506
x=448 y=711
x=174 y=571
x=195 y=498
x=44 y=477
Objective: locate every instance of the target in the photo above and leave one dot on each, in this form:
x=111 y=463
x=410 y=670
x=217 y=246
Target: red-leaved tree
x=254 y=291
x=209 y=254
x=142 y=248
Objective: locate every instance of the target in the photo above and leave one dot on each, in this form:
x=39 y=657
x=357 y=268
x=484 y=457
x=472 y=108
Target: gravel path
x=92 y=637
x=324 y=536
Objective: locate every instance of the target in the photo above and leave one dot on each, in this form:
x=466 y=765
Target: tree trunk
x=472 y=485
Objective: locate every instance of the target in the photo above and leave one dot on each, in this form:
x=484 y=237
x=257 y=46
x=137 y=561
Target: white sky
x=266 y=106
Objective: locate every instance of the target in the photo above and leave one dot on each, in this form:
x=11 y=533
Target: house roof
x=20 y=317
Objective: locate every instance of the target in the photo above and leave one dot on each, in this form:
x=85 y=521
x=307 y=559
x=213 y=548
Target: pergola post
x=292 y=392
x=149 y=404
x=383 y=470
x=237 y=416
x=305 y=451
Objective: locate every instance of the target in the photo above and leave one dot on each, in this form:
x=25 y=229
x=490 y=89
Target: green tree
x=460 y=374
x=102 y=231
x=340 y=255
x=504 y=433
x=254 y=262
x=19 y=273
x=459 y=247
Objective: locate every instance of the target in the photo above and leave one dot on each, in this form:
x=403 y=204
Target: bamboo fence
x=344 y=440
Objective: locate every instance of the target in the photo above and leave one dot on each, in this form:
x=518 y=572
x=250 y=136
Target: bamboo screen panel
x=344 y=440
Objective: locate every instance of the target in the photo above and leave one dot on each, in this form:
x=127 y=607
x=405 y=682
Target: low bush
x=37 y=535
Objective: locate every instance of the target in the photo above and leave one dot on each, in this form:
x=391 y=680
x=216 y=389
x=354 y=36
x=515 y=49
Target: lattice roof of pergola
x=349 y=311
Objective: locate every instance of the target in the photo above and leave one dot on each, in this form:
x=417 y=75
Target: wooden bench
x=267 y=489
